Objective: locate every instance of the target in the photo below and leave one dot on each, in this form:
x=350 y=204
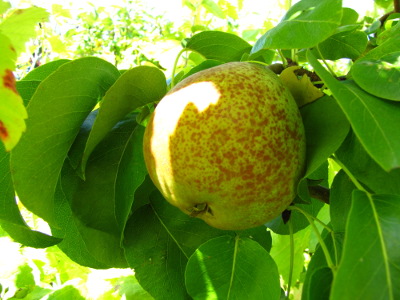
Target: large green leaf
x=159 y=266
x=343 y=45
x=340 y=201
x=114 y=171
x=26 y=89
x=372 y=119
x=135 y=88
x=219 y=45
x=324 y=134
x=28 y=85
x=157 y=259
x=365 y=169
x=326 y=128
x=388 y=46
x=370 y=266
x=232 y=268
x=321 y=281
x=306 y=24
x=84 y=245
x=56 y=111
x=10 y=216
x=379 y=77
x=42 y=72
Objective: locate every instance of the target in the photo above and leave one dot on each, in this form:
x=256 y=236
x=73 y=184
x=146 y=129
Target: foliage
x=79 y=166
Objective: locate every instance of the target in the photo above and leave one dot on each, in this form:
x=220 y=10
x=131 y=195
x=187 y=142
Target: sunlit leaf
x=227 y=267
x=10 y=217
x=219 y=45
x=56 y=112
x=135 y=88
x=343 y=45
x=306 y=24
x=379 y=77
x=12 y=109
x=280 y=253
x=370 y=267
x=302 y=89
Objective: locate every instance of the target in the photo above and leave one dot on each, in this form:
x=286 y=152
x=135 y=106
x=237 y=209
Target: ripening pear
x=227 y=145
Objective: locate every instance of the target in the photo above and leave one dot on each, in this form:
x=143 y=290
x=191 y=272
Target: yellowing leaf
x=19 y=27
x=302 y=89
x=12 y=109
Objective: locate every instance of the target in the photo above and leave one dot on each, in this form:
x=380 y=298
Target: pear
x=227 y=145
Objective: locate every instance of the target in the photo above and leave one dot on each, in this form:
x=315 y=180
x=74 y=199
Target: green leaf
x=213 y=8
x=12 y=110
x=321 y=281
x=67 y=292
x=365 y=169
x=311 y=285
x=135 y=88
x=340 y=200
x=381 y=77
x=4 y=6
x=383 y=3
x=280 y=253
x=155 y=256
x=26 y=89
x=349 y=16
x=219 y=45
x=114 y=171
x=28 y=85
x=10 y=217
x=371 y=118
x=160 y=264
x=306 y=24
x=326 y=128
x=43 y=71
x=370 y=266
x=224 y=268
x=86 y=246
x=343 y=45
x=56 y=112
x=19 y=27
x=299 y=221
x=388 y=46
x=209 y=63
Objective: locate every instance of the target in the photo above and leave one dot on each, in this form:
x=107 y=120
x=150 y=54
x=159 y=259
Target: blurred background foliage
x=127 y=33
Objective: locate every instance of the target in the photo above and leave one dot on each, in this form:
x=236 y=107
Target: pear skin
x=227 y=145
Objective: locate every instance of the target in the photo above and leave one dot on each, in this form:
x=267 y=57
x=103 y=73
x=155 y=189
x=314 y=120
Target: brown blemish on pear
x=227 y=145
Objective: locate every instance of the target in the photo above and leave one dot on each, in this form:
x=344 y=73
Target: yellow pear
x=227 y=145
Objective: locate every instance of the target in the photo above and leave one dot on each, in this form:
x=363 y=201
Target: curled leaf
x=302 y=88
